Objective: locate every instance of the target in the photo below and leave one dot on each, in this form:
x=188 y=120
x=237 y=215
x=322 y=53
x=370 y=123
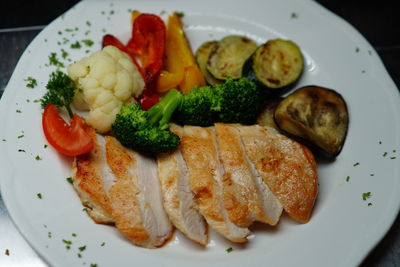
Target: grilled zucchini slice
x=228 y=56
x=275 y=65
x=202 y=54
x=316 y=114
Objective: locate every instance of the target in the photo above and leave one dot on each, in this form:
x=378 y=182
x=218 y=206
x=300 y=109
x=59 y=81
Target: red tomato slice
x=70 y=140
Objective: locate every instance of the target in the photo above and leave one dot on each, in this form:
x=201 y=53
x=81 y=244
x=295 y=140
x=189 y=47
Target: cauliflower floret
x=106 y=80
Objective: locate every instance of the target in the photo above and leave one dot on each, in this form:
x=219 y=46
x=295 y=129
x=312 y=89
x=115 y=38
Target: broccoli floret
x=148 y=131
x=235 y=101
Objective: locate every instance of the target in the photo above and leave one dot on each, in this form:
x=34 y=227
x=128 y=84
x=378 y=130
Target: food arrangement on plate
x=176 y=139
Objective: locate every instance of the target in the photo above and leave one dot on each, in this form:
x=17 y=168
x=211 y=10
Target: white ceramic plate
x=343 y=228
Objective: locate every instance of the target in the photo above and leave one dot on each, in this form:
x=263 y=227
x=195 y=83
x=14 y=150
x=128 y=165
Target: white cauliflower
x=106 y=80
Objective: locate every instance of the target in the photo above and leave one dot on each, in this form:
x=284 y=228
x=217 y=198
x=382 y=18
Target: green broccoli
x=235 y=101
x=148 y=131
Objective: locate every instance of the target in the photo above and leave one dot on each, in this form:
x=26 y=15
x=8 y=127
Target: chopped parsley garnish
x=392 y=157
x=76 y=45
x=21 y=150
x=93 y=265
x=3 y=140
x=39 y=195
x=74 y=234
x=79 y=255
x=45 y=146
x=369 y=204
x=180 y=14
x=20 y=136
x=366 y=195
x=103 y=244
x=68 y=242
x=82 y=248
x=31 y=82
x=53 y=60
x=357 y=49
x=88 y=42
x=88 y=23
x=49 y=234
x=38 y=157
x=18 y=111
x=356 y=164
x=294 y=15
x=229 y=250
x=347 y=178
x=380 y=142
x=385 y=154
x=64 y=54
x=70 y=180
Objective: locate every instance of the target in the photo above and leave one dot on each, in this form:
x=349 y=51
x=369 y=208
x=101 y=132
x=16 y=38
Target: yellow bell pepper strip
x=181 y=68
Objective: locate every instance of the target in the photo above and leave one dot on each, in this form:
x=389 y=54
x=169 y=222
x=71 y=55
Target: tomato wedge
x=70 y=140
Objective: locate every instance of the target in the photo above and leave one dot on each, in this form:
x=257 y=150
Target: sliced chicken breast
x=136 y=196
x=246 y=197
x=287 y=167
x=198 y=146
x=92 y=178
x=178 y=198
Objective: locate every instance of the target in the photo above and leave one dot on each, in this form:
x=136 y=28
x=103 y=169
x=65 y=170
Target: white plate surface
x=343 y=228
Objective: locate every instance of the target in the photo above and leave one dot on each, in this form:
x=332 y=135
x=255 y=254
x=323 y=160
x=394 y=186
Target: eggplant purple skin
x=317 y=150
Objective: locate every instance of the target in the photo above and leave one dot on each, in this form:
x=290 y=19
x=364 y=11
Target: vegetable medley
x=134 y=90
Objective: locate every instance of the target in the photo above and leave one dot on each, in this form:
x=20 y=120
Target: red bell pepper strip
x=148 y=42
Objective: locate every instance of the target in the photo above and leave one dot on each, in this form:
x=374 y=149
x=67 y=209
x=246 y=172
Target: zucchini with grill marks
x=317 y=114
x=202 y=55
x=275 y=65
x=228 y=56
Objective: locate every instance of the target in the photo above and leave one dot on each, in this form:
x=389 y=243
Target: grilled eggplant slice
x=228 y=56
x=316 y=114
x=202 y=55
x=275 y=65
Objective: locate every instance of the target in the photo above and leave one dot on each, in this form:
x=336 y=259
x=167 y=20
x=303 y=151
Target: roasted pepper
x=148 y=43
x=181 y=68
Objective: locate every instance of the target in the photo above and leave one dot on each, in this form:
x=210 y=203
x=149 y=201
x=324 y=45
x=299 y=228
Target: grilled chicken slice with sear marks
x=246 y=197
x=92 y=178
x=177 y=196
x=199 y=150
x=287 y=167
x=136 y=196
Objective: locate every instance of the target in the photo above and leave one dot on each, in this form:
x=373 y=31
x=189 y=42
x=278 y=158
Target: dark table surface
x=21 y=21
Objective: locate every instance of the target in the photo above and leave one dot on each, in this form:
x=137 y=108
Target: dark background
x=378 y=22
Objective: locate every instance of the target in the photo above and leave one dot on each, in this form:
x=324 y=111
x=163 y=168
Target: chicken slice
x=287 y=167
x=136 y=196
x=198 y=146
x=178 y=199
x=91 y=179
x=246 y=197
